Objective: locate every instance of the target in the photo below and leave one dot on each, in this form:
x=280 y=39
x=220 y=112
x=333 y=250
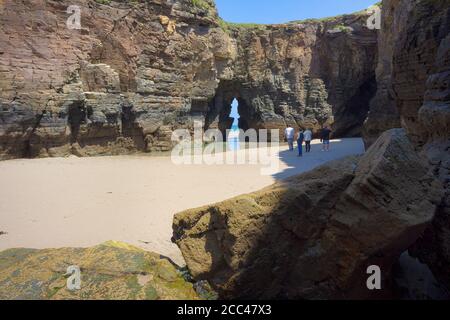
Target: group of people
x=306 y=137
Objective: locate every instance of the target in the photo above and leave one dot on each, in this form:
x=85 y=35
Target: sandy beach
x=81 y=202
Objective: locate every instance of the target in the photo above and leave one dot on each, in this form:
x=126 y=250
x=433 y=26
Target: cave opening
x=77 y=116
x=231 y=109
x=233 y=138
x=234 y=114
x=350 y=119
x=130 y=128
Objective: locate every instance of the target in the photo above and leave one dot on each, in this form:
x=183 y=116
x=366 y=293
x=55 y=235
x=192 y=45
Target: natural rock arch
x=218 y=115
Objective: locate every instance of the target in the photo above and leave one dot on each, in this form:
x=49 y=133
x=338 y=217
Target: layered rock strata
x=136 y=71
x=413 y=89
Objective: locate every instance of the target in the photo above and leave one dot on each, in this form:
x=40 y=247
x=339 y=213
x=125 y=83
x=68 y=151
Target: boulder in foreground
x=112 y=270
x=314 y=236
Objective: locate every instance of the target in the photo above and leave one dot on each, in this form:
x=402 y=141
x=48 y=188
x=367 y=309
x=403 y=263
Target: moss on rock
x=112 y=270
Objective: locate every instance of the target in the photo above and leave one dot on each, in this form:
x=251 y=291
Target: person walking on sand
x=308 y=138
x=325 y=138
x=300 y=139
x=289 y=134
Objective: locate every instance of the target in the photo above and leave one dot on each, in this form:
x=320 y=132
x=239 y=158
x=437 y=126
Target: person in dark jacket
x=325 y=138
x=300 y=139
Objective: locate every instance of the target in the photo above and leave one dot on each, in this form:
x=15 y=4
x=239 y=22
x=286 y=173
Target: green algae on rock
x=112 y=270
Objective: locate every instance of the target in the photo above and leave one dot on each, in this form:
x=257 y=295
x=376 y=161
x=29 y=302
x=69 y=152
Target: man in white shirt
x=289 y=134
x=308 y=138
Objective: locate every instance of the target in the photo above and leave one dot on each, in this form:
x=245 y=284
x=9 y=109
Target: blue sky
x=279 y=11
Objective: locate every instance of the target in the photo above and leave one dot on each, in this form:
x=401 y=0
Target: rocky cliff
x=413 y=89
x=383 y=114
x=303 y=74
x=136 y=70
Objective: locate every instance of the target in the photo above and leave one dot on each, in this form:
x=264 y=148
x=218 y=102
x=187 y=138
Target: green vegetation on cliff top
x=227 y=26
x=210 y=6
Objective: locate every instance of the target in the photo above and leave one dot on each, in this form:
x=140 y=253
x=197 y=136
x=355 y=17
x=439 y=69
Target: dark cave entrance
x=77 y=116
x=130 y=128
x=350 y=119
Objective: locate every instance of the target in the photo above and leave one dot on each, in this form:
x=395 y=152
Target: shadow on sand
x=298 y=165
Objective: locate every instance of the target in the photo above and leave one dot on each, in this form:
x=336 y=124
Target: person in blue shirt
x=300 y=139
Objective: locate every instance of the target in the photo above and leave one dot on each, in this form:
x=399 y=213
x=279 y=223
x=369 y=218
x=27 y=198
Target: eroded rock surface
x=383 y=114
x=112 y=270
x=314 y=235
x=434 y=117
x=413 y=88
x=136 y=71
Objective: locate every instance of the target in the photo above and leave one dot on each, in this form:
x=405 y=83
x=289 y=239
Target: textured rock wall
x=427 y=23
x=306 y=74
x=136 y=71
x=383 y=114
x=110 y=271
x=412 y=33
x=413 y=78
x=429 y=122
x=120 y=84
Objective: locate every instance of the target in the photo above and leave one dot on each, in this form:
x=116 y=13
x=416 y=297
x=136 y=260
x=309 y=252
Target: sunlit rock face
x=110 y=271
x=134 y=72
x=306 y=74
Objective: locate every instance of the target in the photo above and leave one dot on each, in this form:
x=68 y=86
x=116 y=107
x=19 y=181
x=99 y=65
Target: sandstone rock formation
x=135 y=71
x=383 y=114
x=304 y=74
x=112 y=270
x=314 y=235
x=413 y=85
x=428 y=117
x=434 y=116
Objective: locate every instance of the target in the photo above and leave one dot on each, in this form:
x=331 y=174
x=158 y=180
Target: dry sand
x=81 y=202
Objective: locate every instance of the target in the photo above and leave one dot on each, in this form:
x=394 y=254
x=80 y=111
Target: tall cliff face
x=409 y=65
x=414 y=92
x=423 y=102
x=136 y=71
x=306 y=74
x=383 y=114
x=122 y=82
